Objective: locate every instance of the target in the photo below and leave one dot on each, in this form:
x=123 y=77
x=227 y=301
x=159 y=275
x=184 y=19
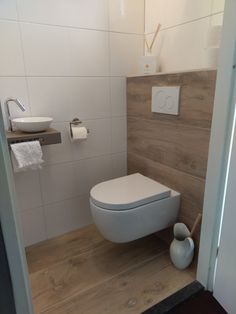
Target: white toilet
x=132 y=207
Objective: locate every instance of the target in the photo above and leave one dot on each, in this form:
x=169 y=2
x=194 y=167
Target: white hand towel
x=26 y=155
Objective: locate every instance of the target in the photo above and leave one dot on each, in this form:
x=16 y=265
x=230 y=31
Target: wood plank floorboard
x=49 y=252
x=102 y=278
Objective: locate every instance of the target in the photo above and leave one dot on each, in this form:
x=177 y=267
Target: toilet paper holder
x=76 y=121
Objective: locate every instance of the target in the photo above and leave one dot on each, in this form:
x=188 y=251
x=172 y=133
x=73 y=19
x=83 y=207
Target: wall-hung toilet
x=132 y=207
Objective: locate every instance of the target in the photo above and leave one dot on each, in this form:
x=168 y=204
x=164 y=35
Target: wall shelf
x=172 y=72
x=49 y=137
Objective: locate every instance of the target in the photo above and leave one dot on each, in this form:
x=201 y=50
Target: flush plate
x=166 y=100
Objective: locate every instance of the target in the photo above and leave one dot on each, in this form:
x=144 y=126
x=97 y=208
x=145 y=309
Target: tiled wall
x=69 y=59
x=183 y=40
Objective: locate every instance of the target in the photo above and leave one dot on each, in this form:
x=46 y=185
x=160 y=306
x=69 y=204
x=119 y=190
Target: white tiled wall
x=182 y=42
x=69 y=59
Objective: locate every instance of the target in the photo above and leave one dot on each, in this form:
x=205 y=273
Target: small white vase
x=182 y=247
x=149 y=64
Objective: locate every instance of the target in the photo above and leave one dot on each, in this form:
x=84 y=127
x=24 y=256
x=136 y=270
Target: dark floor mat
x=192 y=299
x=201 y=303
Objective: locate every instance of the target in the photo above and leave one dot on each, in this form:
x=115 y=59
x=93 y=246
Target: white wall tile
x=8 y=9
x=218 y=6
x=46 y=50
x=89 y=97
x=65 y=98
x=119 y=135
x=89 y=53
x=118 y=96
x=99 y=170
x=81 y=169
x=50 y=96
x=58 y=182
x=33 y=226
x=14 y=87
x=192 y=56
x=153 y=15
x=119 y=165
x=28 y=190
x=98 y=141
x=64 y=53
x=92 y=14
x=43 y=11
x=61 y=152
x=170 y=13
x=126 y=51
x=217 y=19
x=11 y=57
x=126 y=16
x=182 y=18
x=68 y=215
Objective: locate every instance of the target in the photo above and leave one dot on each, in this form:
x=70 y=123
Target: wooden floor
x=82 y=273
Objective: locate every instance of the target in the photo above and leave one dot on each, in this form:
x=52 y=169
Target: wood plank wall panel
x=173 y=149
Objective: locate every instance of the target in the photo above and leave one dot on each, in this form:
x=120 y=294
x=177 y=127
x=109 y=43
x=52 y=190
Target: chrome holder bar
x=76 y=122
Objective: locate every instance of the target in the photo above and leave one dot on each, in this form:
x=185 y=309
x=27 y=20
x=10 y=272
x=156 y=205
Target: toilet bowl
x=132 y=207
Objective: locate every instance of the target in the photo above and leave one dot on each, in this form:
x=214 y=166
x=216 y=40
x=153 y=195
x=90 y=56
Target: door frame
x=11 y=233
x=215 y=180
x=219 y=150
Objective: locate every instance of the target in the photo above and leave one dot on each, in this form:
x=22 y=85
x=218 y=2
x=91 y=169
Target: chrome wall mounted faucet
x=19 y=104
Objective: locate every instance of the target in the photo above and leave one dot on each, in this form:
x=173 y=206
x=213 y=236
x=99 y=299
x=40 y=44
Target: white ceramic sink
x=32 y=124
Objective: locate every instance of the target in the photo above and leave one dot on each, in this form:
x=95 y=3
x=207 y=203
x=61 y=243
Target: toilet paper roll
x=78 y=133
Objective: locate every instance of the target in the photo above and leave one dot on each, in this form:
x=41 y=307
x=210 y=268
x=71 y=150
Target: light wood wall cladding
x=173 y=149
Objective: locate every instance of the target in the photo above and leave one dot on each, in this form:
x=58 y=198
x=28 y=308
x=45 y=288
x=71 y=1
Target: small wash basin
x=32 y=124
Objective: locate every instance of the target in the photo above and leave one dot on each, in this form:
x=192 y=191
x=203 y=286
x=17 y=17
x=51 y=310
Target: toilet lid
x=128 y=192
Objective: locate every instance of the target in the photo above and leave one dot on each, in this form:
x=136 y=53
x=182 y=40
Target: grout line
x=43 y=205
x=91 y=119
x=109 y=71
x=64 y=200
x=69 y=198
x=201 y=179
x=108 y=13
x=187 y=22
x=2 y=19
x=107 y=31
x=24 y=59
x=169 y=122
x=25 y=77
x=102 y=282
x=30 y=111
x=69 y=27
x=83 y=159
x=144 y=28
x=26 y=210
x=64 y=76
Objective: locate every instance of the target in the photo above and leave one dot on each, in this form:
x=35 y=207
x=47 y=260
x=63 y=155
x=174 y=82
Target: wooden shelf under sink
x=48 y=137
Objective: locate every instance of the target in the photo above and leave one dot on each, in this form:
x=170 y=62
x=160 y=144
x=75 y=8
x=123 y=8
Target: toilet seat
x=131 y=207
x=128 y=192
